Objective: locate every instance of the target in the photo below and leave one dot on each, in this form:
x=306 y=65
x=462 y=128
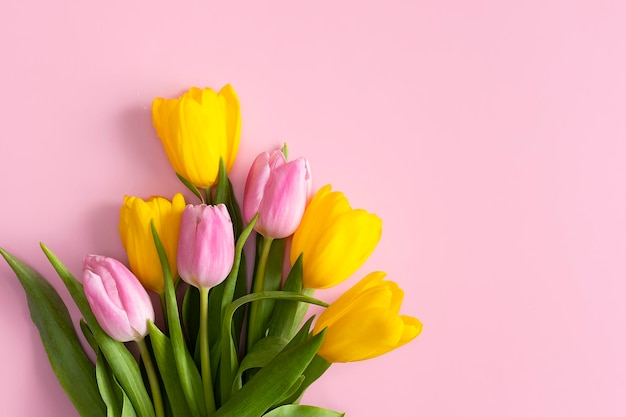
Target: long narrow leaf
x=187 y=371
x=272 y=381
x=109 y=389
x=72 y=367
x=164 y=356
x=293 y=410
x=122 y=363
x=229 y=363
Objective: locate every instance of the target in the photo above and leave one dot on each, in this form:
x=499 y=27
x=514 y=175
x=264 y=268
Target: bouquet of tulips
x=222 y=349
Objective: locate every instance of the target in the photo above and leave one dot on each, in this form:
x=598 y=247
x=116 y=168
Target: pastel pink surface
x=488 y=135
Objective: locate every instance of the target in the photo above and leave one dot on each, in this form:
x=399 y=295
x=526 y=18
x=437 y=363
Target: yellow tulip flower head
x=334 y=239
x=197 y=129
x=136 y=233
x=364 y=322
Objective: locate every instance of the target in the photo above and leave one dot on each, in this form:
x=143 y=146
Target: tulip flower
x=136 y=233
x=206 y=251
x=206 y=246
x=117 y=299
x=364 y=323
x=334 y=239
x=278 y=190
x=197 y=129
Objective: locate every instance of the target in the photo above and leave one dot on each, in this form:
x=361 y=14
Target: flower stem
x=254 y=330
x=205 y=357
x=152 y=377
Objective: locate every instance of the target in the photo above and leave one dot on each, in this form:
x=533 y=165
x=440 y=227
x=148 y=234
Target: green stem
x=205 y=357
x=152 y=377
x=254 y=327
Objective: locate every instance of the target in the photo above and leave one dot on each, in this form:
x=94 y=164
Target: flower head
x=197 y=129
x=206 y=248
x=278 y=190
x=334 y=239
x=135 y=230
x=364 y=323
x=117 y=299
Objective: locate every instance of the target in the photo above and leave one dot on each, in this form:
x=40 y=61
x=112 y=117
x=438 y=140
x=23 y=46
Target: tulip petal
x=111 y=317
x=364 y=323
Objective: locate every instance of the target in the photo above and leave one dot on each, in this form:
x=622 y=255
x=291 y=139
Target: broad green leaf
x=313 y=371
x=290 y=392
x=164 y=356
x=72 y=367
x=120 y=360
x=293 y=410
x=228 y=364
x=272 y=381
x=261 y=354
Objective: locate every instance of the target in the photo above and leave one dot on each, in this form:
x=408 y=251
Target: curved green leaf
x=72 y=367
x=293 y=410
x=122 y=362
x=269 y=385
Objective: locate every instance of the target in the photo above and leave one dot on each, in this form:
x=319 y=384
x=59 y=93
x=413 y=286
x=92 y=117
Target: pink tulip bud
x=206 y=245
x=117 y=298
x=278 y=190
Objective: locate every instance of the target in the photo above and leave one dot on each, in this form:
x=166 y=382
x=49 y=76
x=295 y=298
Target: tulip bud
x=278 y=190
x=197 y=129
x=364 y=323
x=135 y=227
x=117 y=298
x=334 y=239
x=206 y=245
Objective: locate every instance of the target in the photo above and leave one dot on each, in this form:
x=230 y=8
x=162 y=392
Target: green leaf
x=316 y=369
x=127 y=408
x=288 y=315
x=290 y=392
x=191 y=382
x=272 y=381
x=293 y=410
x=122 y=363
x=222 y=190
x=191 y=187
x=191 y=316
x=72 y=367
x=228 y=364
x=261 y=354
x=236 y=286
x=272 y=281
x=110 y=391
x=164 y=355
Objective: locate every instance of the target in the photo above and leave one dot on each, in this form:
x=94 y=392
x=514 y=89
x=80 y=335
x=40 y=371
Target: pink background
x=488 y=135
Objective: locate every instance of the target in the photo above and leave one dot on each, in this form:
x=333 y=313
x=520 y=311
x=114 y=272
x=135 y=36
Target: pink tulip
x=278 y=190
x=117 y=298
x=206 y=245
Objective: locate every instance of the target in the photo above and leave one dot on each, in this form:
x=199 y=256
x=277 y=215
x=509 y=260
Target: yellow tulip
x=364 y=323
x=334 y=239
x=136 y=233
x=197 y=129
